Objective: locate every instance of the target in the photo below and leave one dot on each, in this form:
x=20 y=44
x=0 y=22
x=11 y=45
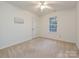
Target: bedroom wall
x=11 y=33
x=66 y=27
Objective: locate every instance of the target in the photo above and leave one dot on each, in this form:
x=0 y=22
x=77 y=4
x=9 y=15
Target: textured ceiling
x=55 y=6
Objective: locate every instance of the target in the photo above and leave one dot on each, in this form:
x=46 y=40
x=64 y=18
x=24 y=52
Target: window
x=53 y=24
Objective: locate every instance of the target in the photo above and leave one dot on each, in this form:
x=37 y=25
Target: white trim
x=15 y=43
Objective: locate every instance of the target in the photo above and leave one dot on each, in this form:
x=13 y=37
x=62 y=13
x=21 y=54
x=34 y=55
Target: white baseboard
x=56 y=39
x=14 y=43
x=9 y=45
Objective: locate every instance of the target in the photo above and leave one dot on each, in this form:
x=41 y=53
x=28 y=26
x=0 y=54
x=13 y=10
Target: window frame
x=53 y=24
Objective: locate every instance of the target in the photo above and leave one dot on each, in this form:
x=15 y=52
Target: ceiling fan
x=43 y=5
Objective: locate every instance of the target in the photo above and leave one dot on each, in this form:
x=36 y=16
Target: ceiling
x=55 y=6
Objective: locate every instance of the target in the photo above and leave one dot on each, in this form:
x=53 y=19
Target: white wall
x=11 y=33
x=65 y=28
x=77 y=42
x=35 y=26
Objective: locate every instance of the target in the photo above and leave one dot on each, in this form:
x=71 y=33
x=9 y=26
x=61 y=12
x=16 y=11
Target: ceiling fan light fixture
x=43 y=5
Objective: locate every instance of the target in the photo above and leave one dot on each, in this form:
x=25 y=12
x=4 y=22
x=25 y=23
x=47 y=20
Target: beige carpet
x=40 y=48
